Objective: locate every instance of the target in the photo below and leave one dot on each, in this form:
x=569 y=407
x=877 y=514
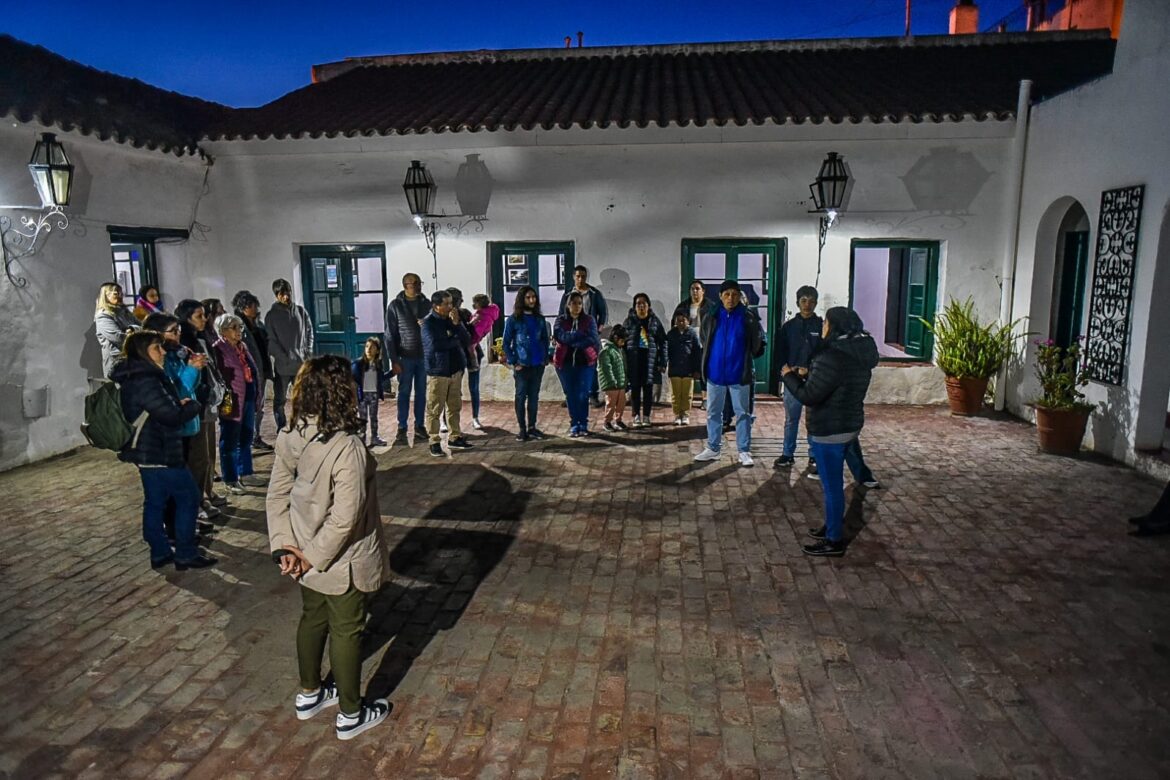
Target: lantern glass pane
x=62 y=181
x=44 y=190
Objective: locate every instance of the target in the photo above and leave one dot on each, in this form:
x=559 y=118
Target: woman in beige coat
x=326 y=532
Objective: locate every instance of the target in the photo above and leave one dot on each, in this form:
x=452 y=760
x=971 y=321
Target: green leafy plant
x=1061 y=374
x=964 y=347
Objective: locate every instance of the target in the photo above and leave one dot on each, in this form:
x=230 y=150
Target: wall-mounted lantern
x=828 y=196
x=52 y=175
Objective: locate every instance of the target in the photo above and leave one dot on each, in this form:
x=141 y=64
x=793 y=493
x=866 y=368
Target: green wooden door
x=345 y=295
x=757 y=265
x=1071 y=303
x=546 y=266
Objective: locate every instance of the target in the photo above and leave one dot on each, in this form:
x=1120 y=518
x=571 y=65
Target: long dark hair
x=324 y=388
x=518 y=310
x=136 y=345
x=183 y=310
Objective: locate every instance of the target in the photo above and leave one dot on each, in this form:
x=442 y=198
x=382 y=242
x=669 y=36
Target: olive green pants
x=341 y=620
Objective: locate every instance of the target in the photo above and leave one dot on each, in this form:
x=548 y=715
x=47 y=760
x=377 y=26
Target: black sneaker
x=522 y=436
x=460 y=443
x=309 y=704
x=436 y=450
x=370 y=715
x=158 y=563
x=198 y=562
x=400 y=437
x=621 y=424
x=784 y=462
x=420 y=433
x=259 y=445
x=817 y=533
x=825 y=548
x=537 y=434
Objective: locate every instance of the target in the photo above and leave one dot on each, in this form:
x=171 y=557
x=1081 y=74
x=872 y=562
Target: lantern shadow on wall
x=945 y=180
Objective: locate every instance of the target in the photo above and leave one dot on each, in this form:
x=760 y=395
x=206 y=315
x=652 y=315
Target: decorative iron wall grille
x=1113 y=272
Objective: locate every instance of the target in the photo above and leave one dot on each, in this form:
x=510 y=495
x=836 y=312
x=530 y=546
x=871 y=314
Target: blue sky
x=249 y=53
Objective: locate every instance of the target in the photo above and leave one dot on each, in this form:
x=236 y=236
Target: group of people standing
x=189 y=371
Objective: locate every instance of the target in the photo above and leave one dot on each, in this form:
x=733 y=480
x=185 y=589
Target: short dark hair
x=641 y=295
x=843 y=321
x=137 y=344
x=456 y=295
x=438 y=296
x=480 y=299
x=243 y=299
x=281 y=286
x=210 y=305
x=581 y=268
x=618 y=332
x=159 y=321
x=144 y=289
x=807 y=291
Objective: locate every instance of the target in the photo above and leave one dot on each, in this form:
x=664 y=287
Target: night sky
x=251 y=52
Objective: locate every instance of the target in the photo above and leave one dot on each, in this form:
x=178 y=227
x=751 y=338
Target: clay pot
x=965 y=395
x=1061 y=430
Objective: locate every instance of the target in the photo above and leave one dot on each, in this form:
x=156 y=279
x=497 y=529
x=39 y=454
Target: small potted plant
x=969 y=353
x=1061 y=409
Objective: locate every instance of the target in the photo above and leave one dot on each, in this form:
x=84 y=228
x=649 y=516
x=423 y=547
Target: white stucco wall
x=1105 y=135
x=46 y=328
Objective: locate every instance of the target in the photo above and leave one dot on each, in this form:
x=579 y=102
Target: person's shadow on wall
x=444 y=560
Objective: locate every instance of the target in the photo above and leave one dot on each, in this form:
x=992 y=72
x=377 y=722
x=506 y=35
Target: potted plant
x=969 y=353
x=1061 y=409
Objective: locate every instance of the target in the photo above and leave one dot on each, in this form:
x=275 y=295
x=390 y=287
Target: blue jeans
x=792 y=408
x=473 y=388
x=235 y=441
x=413 y=376
x=716 y=397
x=576 y=381
x=831 y=470
x=528 y=380
x=160 y=485
x=856 y=463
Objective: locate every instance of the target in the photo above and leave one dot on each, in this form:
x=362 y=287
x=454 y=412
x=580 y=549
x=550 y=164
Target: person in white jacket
x=325 y=531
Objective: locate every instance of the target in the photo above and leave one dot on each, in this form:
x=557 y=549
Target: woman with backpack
x=325 y=531
x=157 y=450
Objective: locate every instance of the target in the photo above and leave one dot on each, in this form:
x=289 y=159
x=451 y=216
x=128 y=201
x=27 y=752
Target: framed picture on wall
x=517 y=277
x=517 y=260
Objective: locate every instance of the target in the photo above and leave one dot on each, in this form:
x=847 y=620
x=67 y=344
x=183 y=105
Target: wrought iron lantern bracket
x=24 y=241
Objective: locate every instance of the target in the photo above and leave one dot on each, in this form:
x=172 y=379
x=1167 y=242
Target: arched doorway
x=1069 y=274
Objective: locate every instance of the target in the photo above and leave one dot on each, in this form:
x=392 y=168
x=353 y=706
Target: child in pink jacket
x=485 y=316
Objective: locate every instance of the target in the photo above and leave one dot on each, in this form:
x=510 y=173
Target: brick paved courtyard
x=605 y=608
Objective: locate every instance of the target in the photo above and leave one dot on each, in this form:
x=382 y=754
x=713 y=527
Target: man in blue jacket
x=730 y=339
x=445 y=343
x=795 y=344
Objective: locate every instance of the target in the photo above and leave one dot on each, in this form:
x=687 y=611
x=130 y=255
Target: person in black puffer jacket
x=157 y=450
x=834 y=392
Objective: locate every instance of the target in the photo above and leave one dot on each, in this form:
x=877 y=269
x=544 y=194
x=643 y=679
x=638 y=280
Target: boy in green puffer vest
x=611 y=377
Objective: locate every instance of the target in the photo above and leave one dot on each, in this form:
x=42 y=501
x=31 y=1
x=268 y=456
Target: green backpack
x=105 y=425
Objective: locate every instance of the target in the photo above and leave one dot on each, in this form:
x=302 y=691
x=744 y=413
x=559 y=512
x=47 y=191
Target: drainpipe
x=1011 y=245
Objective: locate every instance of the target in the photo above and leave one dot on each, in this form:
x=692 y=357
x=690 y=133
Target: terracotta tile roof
x=931 y=79
x=884 y=80
x=38 y=85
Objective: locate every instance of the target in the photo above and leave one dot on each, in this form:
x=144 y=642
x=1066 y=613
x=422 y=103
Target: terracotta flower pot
x=965 y=395
x=1061 y=430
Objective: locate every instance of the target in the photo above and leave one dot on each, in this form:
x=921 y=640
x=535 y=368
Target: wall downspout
x=1015 y=194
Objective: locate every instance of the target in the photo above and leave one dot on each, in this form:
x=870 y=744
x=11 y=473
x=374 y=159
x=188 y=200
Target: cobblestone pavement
x=606 y=608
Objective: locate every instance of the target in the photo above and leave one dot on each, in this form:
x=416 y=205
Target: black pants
x=641 y=395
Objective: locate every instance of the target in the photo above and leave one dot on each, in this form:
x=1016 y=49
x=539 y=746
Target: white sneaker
x=707 y=454
x=686 y=420
x=678 y=420
x=235 y=488
x=475 y=423
x=370 y=715
x=309 y=704
x=637 y=421
x=745 y=459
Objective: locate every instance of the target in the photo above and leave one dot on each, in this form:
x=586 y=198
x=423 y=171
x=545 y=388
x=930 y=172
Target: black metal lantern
x=420 y=190
x=51 y=171
x=828 y=191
